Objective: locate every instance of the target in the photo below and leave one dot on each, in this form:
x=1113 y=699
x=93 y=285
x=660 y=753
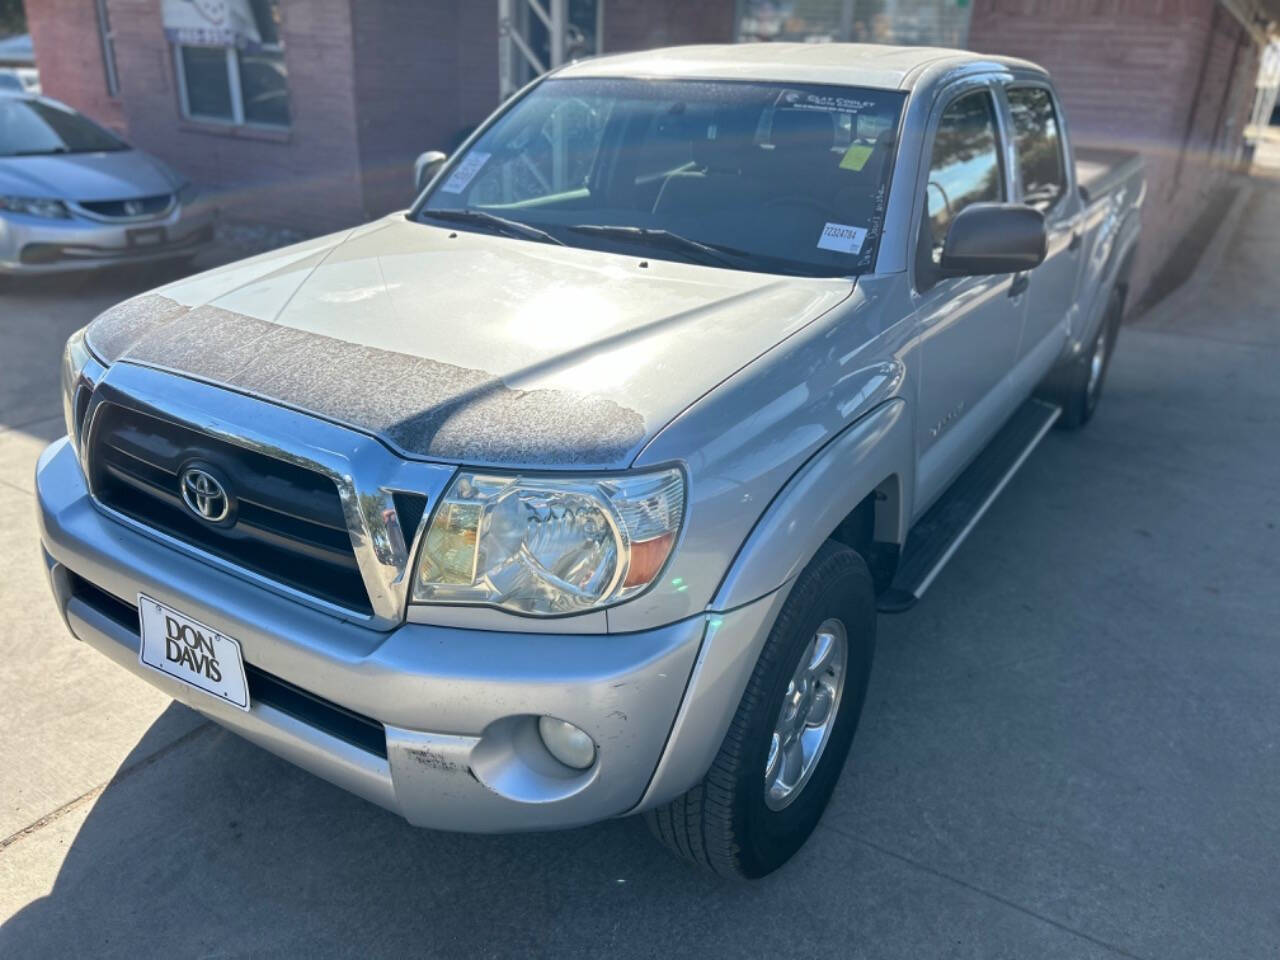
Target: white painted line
x=991 y=498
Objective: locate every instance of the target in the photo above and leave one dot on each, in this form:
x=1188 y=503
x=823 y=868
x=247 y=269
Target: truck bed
x=1099 y=169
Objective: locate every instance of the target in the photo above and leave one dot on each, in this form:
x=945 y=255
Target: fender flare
x=857 y=462
x=1119 y=265
x=809 y=507
x=1126 y=250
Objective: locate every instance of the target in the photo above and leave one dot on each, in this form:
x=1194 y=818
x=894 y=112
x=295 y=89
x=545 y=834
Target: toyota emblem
x=205 y=495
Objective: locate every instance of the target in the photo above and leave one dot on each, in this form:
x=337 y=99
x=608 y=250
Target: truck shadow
x=211 y=846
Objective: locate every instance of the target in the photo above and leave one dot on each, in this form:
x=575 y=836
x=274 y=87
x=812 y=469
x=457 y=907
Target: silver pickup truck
x=573 y=492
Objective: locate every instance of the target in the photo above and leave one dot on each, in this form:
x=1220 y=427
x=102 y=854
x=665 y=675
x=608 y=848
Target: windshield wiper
x=509 y=227
x=656 y=237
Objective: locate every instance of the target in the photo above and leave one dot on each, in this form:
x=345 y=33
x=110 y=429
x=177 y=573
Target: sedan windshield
x=780 y=178
x=36 y=128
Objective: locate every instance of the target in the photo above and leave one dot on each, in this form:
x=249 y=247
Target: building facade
x=1174 y=79
x=309 y=113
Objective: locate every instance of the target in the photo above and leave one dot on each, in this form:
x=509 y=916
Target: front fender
x=823 y=492
x=803 y=514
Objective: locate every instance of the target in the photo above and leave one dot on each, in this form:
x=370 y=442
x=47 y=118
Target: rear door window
x=1038 y=144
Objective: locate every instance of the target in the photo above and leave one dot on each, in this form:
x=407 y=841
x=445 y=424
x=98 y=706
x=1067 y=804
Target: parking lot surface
x=1071 y=746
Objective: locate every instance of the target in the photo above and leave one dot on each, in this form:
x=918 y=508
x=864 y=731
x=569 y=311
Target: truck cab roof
x=850 y=64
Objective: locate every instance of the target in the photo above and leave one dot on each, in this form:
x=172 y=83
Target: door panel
x=969 y=331
x=968 y=327
x=1044 y=181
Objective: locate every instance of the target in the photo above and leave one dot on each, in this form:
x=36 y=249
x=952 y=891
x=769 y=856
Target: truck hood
x=467 y=347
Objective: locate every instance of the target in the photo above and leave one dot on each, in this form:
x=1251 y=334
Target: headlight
x=549 y=546
x=36 y=207
x=187 y=193
x=75 y=357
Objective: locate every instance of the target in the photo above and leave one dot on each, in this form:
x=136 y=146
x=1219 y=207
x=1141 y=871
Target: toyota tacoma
x=575 y=490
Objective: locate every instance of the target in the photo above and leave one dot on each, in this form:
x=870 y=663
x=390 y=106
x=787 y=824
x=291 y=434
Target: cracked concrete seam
x=53 y=816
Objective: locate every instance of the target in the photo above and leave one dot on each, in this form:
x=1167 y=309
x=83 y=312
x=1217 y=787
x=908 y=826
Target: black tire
x=1078 y=392
x=724 y=823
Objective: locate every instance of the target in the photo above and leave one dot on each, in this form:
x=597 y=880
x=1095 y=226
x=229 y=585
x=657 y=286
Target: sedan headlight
x=36 y=207
x=549 y=546
x=188 y=193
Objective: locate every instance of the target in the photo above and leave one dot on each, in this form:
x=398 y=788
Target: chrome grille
x=289 y=523
x=384 y=498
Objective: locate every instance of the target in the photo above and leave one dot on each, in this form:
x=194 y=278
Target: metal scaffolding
x=521 y=55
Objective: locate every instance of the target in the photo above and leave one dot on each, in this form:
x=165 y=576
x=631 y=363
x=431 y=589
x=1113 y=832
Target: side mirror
x=426 y=167
x=987 y=238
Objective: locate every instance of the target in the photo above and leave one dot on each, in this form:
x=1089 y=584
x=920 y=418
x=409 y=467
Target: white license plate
x=192 y=652
x=146 y=237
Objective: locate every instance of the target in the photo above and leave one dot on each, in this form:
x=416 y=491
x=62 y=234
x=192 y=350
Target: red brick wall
x=69 y=53
x=425 y=72
x=1129 y=72
x=307 y=177
x=372 y=84
x=477 y=63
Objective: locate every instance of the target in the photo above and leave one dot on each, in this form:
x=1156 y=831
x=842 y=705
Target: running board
x=938 y=534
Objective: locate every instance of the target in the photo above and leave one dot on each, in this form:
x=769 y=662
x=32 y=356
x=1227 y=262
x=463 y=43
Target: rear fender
x=1111 y=260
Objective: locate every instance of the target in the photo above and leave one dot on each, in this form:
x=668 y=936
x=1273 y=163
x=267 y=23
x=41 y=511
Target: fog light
x=567 y=743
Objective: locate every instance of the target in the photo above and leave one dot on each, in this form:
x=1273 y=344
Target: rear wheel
x=1082 y=382
x=788 y=741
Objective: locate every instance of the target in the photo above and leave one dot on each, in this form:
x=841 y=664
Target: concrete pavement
x=1071 y=747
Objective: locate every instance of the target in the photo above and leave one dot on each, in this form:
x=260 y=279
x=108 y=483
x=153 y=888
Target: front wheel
x=788 y=741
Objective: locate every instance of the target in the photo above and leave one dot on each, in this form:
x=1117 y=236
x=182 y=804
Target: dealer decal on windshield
x=465 y=172
x=842 y=238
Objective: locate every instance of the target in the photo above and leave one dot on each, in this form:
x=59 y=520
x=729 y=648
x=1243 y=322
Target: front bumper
x=32 y=245
x=457 y=707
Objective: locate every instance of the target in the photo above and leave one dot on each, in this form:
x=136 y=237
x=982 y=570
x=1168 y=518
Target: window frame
x=107 y=39
x=234 y=88
x=1068 y=177
x=925 y=277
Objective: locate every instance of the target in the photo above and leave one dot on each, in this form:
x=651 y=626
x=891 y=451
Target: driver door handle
x=1019 y=285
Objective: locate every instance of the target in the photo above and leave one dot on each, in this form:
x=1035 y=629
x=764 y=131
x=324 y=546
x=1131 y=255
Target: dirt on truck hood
x=465 y=346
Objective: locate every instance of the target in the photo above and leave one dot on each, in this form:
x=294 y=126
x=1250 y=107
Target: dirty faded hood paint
x=468 y=347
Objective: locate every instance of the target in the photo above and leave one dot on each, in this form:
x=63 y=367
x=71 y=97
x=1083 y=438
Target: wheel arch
x=1124 y=272
x=855 y=490
x=1114 y=275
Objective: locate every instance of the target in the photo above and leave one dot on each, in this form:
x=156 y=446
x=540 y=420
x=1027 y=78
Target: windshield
x=781 y=178
x=34 y=128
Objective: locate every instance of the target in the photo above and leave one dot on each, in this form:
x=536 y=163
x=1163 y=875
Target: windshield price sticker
x=842 y=238
x=465 y=172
